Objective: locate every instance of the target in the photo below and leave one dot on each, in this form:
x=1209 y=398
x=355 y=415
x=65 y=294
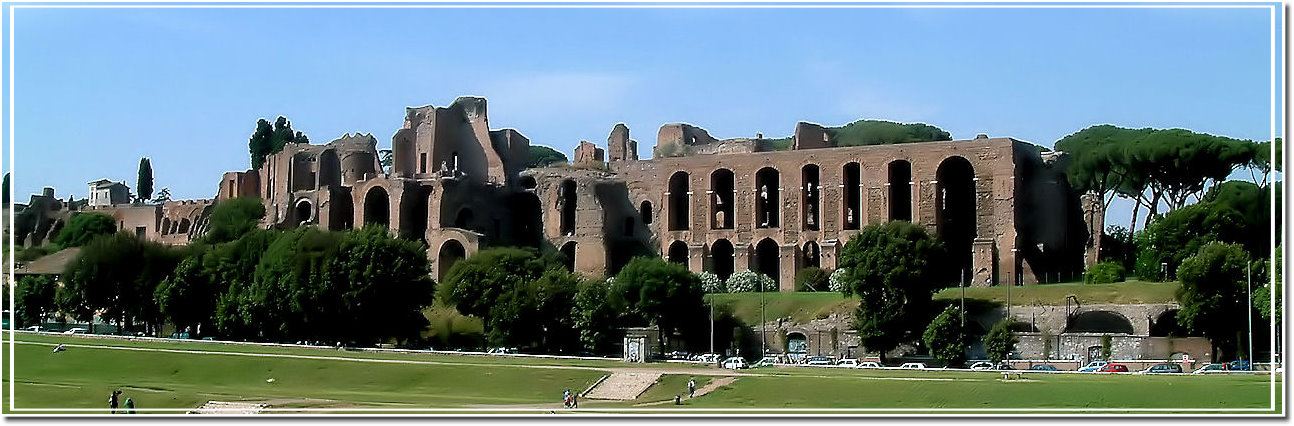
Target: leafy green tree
x=35 y=298
x=1180 y=233
x=7 y=191
x=232 y=218
x=117 y=275
x=537 y=313
x=289 y=283
x=894 y=269
x=946 y=338
x=84 y=227
x=880 y=132
x=1117 y=246
x=542 y=156
x=652 y=291
x=1213 y=297
x=1263 y=296
x=475 y=284
x=1000 y=341
x=187 y=298
x=144 y=185
x=381 y=285
x=267 y=139
x=232 y=265
x=595 y=316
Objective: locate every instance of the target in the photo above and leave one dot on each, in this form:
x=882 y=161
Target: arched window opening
x=341 y=211
x=678 y=202
x=767 y=259
x=566 y=199
x=810 y=194
x=900 y=190
x=377 y=207
x=678 y=252
x=852 y=214
x=812 y=255
x=722 y=197
x=644 y=210
x=955 y=212
x=450 y=253
x=1099 y=322
x=568 y=255
x=767 y=202
x=722 y=255
x=304 y=212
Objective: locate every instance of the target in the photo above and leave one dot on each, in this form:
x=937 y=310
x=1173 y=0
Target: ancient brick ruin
x=1004 y=210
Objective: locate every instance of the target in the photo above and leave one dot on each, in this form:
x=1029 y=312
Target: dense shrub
x=811 y=279
x=747 y=281
x=710 y=283
x=1105 y=273
x=836 y=281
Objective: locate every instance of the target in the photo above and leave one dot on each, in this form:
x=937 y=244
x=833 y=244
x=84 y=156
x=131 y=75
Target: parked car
x=1113 y=368
x=868 y=364
x=677 y=355
x=1239 y=365
x=735 y=363
x=982 y=365
x=502 y=351
x=1044 y=367
x=707 y=358
x=1093 y=366
x=75 y=330
x=913 y=366
x=767 y=361
x=1210 y=369
x=847 y=362
x=1162 y=368
x=36 y=328
x=818 y=360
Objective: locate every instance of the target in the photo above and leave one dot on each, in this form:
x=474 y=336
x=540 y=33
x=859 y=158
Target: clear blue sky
x=96 y=89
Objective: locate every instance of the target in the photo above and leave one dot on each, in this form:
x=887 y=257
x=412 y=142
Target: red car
x=1113 y=368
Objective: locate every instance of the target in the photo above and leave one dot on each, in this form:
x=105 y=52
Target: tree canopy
x=144 y=184
x=542 y=156
x=35 y=298
x=1213 y=296
x=946 y=337
x=84 y=227
x=894 y=269
x=1000 y=341
x=1232 y=212
x=653 y=291
x=269 y=139
x=232 y=218
x=881 y=132
x=117 y=275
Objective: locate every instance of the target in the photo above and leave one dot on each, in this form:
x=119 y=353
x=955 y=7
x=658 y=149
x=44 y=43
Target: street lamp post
x=1250 y=311
x=711 y=325
x=762 y=321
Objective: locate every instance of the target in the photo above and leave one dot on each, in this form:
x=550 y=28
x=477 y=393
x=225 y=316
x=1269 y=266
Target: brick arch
x=1100 y=321
x=166 y=226
x=768 y=182
x=811 y=196
x=677 y=252
x=678 y=201
x=955 y=212
x=377 y=206
x=900 y=192
x=722 y=198
x=451 y=251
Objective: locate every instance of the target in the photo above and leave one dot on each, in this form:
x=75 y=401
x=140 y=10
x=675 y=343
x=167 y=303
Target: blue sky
x=96 y=89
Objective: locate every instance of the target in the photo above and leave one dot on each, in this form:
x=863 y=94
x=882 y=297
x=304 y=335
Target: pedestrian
x=691 y=388
x=566 y=399
x=575 y=400
x=130 y=406
x=112 y=401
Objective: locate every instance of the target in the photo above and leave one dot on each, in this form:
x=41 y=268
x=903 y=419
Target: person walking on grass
x=112 y=401
x=691 y=388
x=130 y=406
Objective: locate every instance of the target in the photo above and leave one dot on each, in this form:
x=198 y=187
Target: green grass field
x=184 y=375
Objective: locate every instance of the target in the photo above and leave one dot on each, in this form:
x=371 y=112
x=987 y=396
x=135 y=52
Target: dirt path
x=714 y=384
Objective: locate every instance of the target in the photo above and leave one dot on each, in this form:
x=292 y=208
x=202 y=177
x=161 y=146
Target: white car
x=913 y=366
x=35 y=328
x=735 y=363
x=707 y=358
x=982 y=365
x=868 y=364
x=77 y=330
x=847 y=363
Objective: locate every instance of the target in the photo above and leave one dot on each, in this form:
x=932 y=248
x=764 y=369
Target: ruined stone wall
x=586 y=153
x=618 y=144
x=811 y=136
x=183 y=220
x=239 y=184
x=1081 y=347
x=142 y=220
x=992 y=161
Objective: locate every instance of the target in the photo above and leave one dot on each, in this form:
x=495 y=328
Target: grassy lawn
x=181 y=378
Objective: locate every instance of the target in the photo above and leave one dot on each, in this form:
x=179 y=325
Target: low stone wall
x=1084 y=347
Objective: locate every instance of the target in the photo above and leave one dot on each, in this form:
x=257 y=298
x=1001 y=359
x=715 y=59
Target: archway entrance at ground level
x=797 y=346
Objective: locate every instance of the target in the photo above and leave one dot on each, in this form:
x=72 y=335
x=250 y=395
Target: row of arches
x=955 y=201
x=170 y=227
x=768 y=186
x=766 y=257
